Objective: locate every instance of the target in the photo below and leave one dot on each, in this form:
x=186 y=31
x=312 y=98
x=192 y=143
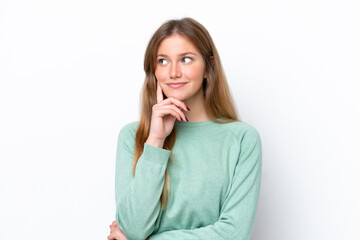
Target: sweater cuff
x=155 y=154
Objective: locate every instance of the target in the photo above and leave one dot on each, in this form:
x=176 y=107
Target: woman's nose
x=175 y=71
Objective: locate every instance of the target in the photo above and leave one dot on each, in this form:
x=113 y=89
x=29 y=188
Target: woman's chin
x=177 y=96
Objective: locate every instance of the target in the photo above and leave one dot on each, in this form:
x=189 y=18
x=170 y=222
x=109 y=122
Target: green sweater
x=214 y=183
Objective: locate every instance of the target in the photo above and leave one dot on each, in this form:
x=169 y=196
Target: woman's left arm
x=239 y=209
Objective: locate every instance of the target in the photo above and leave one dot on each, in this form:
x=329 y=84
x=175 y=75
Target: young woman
x=189 y=169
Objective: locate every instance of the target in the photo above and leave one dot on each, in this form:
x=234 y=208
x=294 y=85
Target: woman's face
x=179 y=62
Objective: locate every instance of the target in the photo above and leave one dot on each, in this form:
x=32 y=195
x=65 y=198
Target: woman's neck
x=197 y=111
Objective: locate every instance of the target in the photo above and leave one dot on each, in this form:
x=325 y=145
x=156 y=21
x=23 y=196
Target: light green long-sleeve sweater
x=214 y=183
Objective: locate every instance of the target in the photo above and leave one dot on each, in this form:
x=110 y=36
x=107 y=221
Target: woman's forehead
x=176 y=45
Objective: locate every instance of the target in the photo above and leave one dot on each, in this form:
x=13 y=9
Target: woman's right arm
x=138 y=198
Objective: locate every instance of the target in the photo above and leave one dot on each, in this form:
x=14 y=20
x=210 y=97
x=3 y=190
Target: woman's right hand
x=164 y=114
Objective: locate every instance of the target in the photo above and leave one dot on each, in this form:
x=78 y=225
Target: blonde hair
x=218 y=100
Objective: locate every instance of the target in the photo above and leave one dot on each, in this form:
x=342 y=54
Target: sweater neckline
x=194 y=124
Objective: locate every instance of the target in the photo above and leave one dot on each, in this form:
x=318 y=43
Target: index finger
x=159 y=94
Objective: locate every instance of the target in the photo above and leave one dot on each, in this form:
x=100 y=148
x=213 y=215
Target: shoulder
x=243 y=130
x=246 y=135
x=249 y=142
x=129 y=130
x=132 y=126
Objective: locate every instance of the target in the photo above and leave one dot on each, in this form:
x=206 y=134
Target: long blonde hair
x=218 y=100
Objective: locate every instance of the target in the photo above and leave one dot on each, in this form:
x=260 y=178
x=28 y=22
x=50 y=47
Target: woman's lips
x=176 y=85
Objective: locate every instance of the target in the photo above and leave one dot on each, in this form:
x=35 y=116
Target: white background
x=71 y=73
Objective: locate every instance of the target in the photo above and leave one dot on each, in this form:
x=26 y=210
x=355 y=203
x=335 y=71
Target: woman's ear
x=212 y=63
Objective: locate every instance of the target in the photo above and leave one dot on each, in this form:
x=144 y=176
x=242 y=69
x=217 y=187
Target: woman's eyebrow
x=181 y=54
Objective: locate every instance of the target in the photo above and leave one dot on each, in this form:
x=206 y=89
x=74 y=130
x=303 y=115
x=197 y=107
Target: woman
x=189 y=169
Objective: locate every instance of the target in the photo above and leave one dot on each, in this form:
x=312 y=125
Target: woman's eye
x=186 y=59
x=162 y=61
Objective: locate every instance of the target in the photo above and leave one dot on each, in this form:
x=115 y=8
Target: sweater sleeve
x=238 y=212
x=138 y=198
